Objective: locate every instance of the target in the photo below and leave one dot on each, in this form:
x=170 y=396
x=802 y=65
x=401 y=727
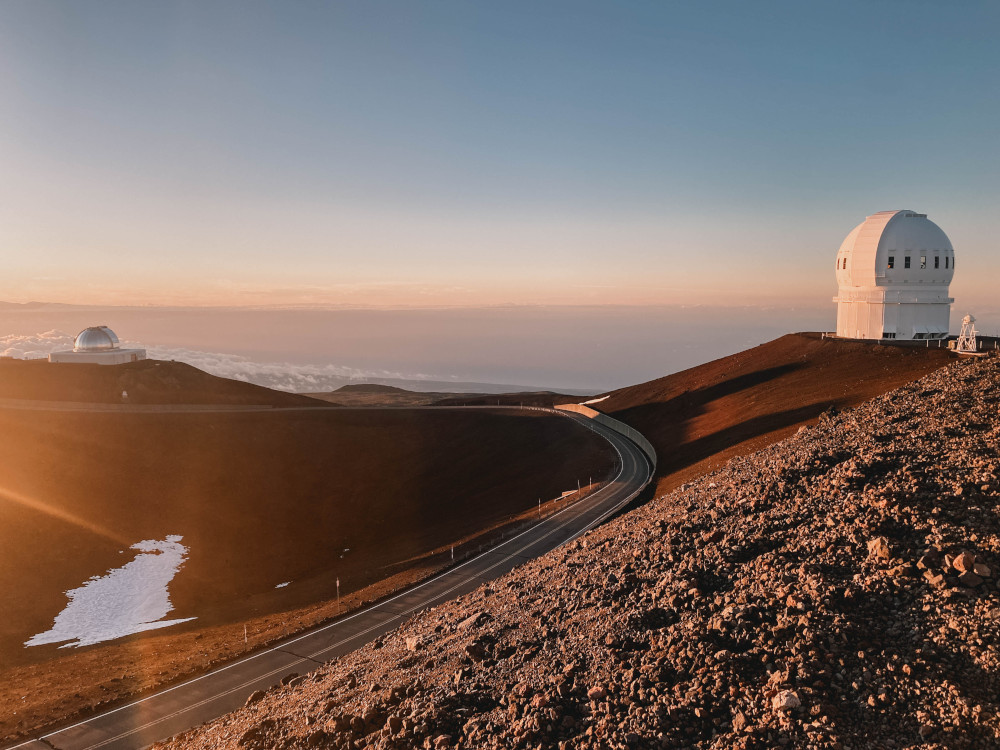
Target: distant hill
x=699 y=418
x=524 y=398
x=370 y=388
x=146 y=382
x=443 y=388
x=375 y=394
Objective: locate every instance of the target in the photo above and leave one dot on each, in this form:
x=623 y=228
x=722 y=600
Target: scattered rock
x=879 y=548
x=474 y=621
x=597 y=693
x=964 y=562
x=786 y=700
x=970 y=579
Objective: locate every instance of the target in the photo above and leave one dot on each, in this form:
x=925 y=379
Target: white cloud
x=35 y=346
x=283 y=376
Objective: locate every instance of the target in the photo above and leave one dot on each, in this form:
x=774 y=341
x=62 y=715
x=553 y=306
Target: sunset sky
x=473 y=153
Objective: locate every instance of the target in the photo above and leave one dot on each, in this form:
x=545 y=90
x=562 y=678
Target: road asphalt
x=163 y=714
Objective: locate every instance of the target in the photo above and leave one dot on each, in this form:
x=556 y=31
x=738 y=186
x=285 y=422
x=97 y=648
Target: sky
x=458 y=153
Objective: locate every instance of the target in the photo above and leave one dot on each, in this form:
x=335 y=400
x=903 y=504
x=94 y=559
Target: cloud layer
x=35 y=346
x=283 y=376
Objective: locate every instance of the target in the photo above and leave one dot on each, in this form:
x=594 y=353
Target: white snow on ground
x=126 y=600
x=282 y=585
x=595 y=400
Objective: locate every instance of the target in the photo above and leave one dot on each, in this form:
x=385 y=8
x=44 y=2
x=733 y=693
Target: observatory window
x=937 y=261
x=923 y=261
x=888 y=335
x=906 y=261
x=946 y=261
x=892 y=261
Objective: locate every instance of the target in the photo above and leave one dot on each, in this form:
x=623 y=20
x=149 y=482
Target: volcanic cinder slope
x=259 y=498
x=835 y=590
x=699 y=418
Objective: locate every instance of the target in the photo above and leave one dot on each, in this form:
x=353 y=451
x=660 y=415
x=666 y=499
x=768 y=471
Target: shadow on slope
x=700 y=418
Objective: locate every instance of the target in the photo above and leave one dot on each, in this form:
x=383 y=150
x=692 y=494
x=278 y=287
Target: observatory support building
x=100 y=346
x=893 y=272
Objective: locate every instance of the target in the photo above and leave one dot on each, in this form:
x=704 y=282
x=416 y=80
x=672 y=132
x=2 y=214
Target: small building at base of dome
x=893 y=274
x=98 y=345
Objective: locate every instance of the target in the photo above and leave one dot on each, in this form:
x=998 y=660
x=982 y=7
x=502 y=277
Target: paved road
x=176 y=709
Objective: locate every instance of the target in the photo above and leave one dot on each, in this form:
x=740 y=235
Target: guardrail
x=620 y=427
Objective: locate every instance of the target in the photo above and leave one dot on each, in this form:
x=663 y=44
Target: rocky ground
x=836 y=590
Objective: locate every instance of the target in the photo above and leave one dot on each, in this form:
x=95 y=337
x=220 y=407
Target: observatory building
x=98 y=345
x=893 y=272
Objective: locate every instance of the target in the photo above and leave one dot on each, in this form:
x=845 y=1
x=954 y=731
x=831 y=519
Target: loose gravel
x=836 y=590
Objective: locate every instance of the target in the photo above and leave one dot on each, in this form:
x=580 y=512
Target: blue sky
x=463 y=153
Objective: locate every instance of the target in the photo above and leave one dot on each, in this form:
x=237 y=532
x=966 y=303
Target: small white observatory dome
x=96 y=339
x=893 y=272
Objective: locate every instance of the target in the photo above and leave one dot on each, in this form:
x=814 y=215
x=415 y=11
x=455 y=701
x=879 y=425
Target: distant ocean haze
x=580 y=349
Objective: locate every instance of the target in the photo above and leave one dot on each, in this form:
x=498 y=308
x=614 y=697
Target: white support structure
x=893 y=273
x=967 y=343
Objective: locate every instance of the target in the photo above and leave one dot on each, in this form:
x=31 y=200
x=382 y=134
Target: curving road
x=176 y=709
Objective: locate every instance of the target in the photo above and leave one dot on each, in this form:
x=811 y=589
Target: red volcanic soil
x=699 y=418
x=260 y=498
x=147 y=382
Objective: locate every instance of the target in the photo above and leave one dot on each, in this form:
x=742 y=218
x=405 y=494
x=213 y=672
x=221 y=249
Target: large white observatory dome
x=893 y=272
x=96 y=339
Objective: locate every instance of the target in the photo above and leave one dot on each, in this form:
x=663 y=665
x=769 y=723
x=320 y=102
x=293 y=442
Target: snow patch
x=126 y=600
x=282 y=585
x=595 y=400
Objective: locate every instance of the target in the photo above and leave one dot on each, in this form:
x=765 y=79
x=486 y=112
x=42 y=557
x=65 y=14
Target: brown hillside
x=147 y=382
x=700 y=418
x=260 y=498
